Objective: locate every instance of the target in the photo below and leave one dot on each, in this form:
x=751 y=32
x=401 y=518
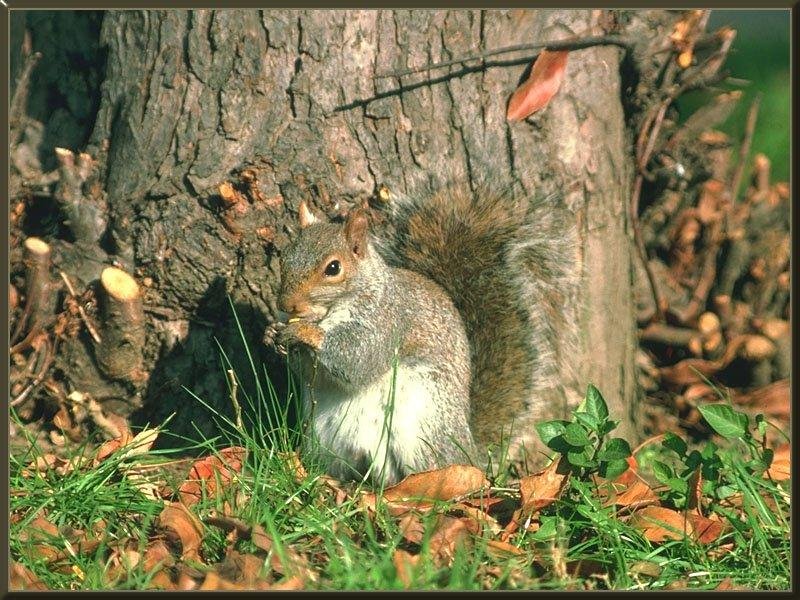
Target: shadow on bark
x=212 y=345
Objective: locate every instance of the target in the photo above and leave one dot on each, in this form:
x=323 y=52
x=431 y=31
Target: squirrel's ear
x=355 y=231
x=306 y=216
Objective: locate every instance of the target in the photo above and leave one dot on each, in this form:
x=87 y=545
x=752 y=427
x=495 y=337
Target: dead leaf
x=659 y=524
x=182 y=528
x=295 y=582
x=405 y=564
x=162 y=580
x=629 y=475
x=449 y=534
x=442 y=484
x=545 y=487
x=157 y=555
x=188 y=579
x=215 y=582
x=47 y=462
x=546 y=76
x=637 y=495
x=502 y=550
x=22 y=578
x=705 y=530
x=245 y=569
x=728 y=585
x=483 y=519
x=411 y=528
x=210 y=472
x=695 y=499
x=781 y=467
x=645 y=567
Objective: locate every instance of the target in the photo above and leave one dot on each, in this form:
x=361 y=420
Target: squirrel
x=429 y=333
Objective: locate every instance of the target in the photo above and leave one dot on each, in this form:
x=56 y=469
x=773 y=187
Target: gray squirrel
x=431 y=331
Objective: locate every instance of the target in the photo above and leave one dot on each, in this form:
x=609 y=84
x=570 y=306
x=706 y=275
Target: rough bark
x=279 y=106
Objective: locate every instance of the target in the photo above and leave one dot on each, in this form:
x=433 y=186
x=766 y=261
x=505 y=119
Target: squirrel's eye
x=333 y=268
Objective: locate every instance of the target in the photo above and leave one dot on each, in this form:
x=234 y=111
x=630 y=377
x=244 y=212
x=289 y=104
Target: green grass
x=349 y=548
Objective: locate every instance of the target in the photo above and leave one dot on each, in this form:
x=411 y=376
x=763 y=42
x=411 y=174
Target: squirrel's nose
x=293 y=305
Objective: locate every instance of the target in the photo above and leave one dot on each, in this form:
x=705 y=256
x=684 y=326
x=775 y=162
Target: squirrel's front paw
x=301 y=332
x=271 y=335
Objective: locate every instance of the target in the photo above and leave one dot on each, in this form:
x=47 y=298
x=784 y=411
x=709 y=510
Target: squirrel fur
x=432 y=332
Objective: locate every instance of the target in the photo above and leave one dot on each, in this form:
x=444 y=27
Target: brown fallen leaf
x=22 y=578
x=211 y=472
x=47 y=462
x=704 y=529
x=215 y=582
x=405 y=563
x=294 y=582
x=630 y=475
x=411 y=527
x=781 y=467
x=502 y=550
x=659 y=524
x=546 y=76
x=728 y=585
x=161 y=580
x=448 y=483
x=450 y=534
x=188 y=579
x=483 y=519
x=245 y=569
x=545 y=487
x=157 y=555
x=637 y=495
x=182 y=529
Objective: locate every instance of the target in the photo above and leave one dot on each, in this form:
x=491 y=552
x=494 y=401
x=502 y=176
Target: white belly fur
x=351 y=423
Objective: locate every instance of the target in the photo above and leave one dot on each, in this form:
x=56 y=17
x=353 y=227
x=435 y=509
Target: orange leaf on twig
x=545 y=79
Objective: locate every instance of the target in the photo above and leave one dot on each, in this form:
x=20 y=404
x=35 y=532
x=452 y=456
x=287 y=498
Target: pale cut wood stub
x=119 y=355
x=37 y=278
x=119 y=284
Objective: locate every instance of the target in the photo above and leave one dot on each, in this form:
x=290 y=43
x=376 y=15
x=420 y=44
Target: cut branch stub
x=37 y=285
x=119 y=355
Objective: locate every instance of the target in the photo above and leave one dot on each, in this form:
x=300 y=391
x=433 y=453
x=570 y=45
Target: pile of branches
x=71 y=351
x=712 y=285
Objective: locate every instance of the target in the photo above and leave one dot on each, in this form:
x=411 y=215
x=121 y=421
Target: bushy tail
x=510 y=265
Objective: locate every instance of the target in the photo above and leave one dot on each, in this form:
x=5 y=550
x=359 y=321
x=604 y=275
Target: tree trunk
x=287 y=105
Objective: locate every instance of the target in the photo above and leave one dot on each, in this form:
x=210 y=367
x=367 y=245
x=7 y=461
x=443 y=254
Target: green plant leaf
x=611 y=469
x=674 y=443
x=547 y=430
x=662 y=471
x=594 y=403
x=580 y=459
x=575 y=435
x=615 y=449
x=676 y=484
x=725 y=421
x=547 y=529
x=591 y=422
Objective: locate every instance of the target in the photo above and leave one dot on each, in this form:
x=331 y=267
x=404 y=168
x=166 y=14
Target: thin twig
x=744 y=150
x=574 y=43
x=658 y=297
x=48 y=361
x=92 y=331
